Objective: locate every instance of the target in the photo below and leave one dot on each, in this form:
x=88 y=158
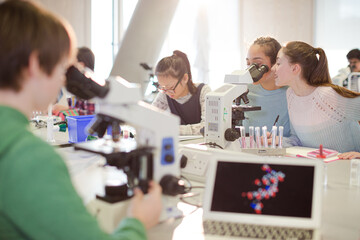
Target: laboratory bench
x=340 y=205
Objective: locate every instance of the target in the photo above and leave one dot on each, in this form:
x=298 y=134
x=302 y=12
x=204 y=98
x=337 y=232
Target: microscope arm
x=219 y=105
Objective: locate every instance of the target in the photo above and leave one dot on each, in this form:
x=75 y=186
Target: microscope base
x=109 y=215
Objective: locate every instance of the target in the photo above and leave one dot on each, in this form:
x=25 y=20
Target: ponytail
x=191 y=86
x=343 y=91
x=320 y=74
x=314 y=66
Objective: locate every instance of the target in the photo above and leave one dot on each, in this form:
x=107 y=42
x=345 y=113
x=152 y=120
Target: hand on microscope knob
x=147 y=208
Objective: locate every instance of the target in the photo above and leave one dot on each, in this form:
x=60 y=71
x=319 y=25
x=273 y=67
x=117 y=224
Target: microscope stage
x=246 y=108
x=107 y=147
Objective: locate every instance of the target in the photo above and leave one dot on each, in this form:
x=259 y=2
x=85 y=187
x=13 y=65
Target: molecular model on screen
x=267 y=188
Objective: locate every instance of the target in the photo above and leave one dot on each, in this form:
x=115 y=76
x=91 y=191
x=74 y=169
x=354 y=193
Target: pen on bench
x=276 y=120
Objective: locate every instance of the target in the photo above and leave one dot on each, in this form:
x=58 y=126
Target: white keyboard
x=255 y=231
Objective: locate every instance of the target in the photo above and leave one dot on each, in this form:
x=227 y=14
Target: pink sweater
x=324 y=117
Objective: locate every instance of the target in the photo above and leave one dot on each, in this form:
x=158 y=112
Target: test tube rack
x=265 y=151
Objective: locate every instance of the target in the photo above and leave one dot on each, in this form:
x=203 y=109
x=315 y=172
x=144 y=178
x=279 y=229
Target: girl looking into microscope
x=179 y=95
x=320 y=112
x=265 y=92
x=74 y=105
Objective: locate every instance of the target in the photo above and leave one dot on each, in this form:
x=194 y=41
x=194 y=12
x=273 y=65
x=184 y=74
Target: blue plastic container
x=77 y=126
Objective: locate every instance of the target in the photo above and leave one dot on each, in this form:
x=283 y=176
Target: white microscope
x=222 y=115
x=153 y=156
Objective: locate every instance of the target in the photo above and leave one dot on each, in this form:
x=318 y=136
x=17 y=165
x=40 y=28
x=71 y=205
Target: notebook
x=251 y=197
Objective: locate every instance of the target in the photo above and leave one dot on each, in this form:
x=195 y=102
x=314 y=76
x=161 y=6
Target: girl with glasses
x=179 y=95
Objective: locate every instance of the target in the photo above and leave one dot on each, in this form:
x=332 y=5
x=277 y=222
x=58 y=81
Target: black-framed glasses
x=170 y=91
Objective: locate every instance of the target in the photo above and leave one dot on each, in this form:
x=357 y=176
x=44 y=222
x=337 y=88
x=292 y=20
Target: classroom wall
x=337 y=30
x=77 y=13
x=330 y=24
x=282 y=19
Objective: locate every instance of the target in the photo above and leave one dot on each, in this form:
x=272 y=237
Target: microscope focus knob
x=169 y=158
x=231 y=134
x=172 y=185
x=168 y=146
x=183 y=161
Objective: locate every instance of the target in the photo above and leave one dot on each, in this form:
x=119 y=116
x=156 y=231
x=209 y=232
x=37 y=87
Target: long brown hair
x=314 y=66
x=176 y=66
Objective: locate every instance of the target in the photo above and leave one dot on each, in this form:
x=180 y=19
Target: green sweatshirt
x=37 y=198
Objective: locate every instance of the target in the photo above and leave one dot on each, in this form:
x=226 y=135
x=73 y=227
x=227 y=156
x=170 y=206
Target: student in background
x=37 y=198
x=320 y=112
x=85 y=60
x=341 y=79
x=179 y=95
x=265 y=92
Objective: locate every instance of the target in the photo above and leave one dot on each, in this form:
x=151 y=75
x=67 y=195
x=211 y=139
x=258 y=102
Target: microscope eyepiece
x=252 y=67
x=263 y=68
x=257 y=72
x=82 y=84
